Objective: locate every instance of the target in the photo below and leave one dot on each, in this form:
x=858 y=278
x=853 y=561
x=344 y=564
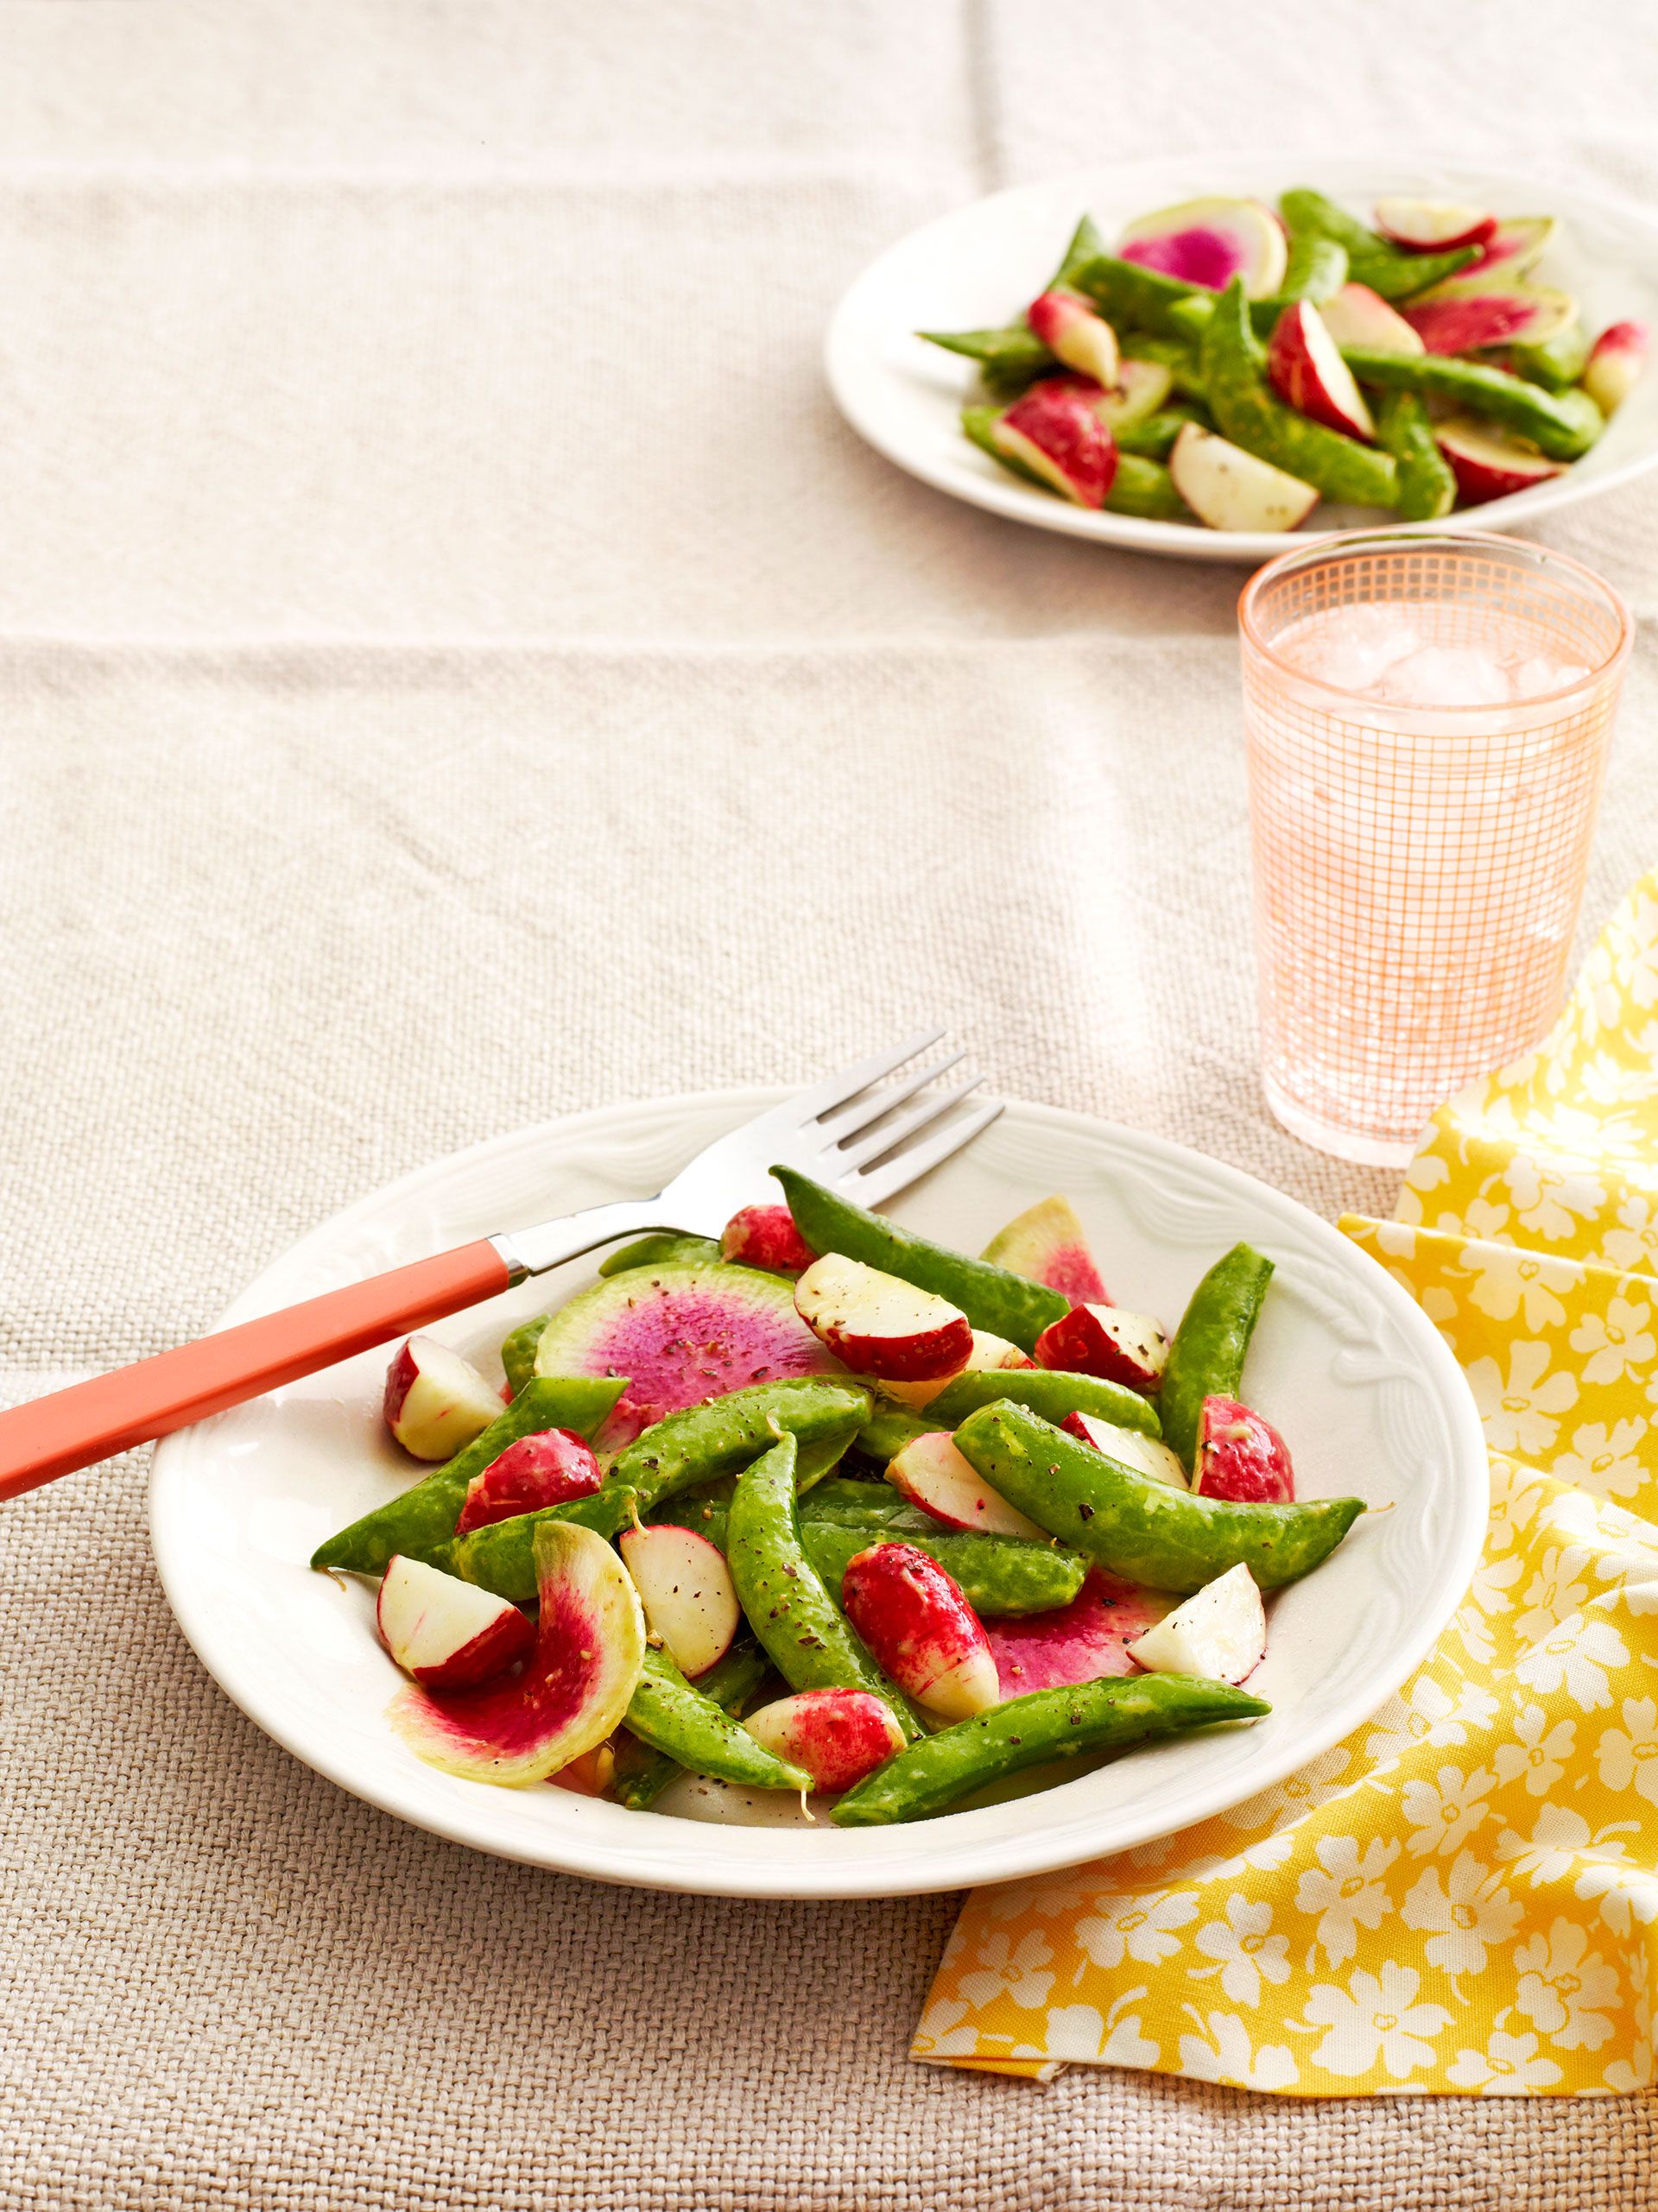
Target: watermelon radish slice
x=1047 y=1243
x=1432 y=226
x=1513 y=248
x=1468 y=322
x=1209 y=242
x=680 y=1335
x=1079 y=1642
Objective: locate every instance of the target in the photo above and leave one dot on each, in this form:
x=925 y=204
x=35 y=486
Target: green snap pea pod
x=1316 y=269
x=1252 y=415
x=861 y=1505
x=518 y=1352
x=501 y=1556
x=1563 y=425
x=1129 y=297
x=671 y=1714
x=1178 y=354
x=1427 y=483
x=811 y=1642
x=1087 y=244
x=704 y=1441
x=1047 y=1391
x=1557 y=363
x=425 y=1514
x=1144 y=1530
x=1007 y=359
x=1207 y=1356
x=663 y=1249
x=1388 y=270
x=993 y=1299
x=888 y=1429
x=730 y=1683
x=1063 y=1724
x=1153 y=435
x=1139 y=487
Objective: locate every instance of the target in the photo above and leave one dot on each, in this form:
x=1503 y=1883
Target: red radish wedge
x=686 y=1591
x=931 y=1474
x=1209 y=242
x=1488 y=465
x=1141 y=388
x=1230 y=489
x=1054 y=431
x=446 y=1634
x=543 y=1470
x=1305 y=363
x=765 y=1237
x=1469 y=322
x=1363 y=319
x=1148 y=1455
x=1616 y=360
x=1079 y=1642
x=1220 y=1634
x=1513 y=248
x=838 y=1736
x=1432 y=226
x=988 y=1352
x=879 y=1324
x=1240 y=1456
x=1074 y=332
x=575 y=1687
x=1107 y=1342
x=435 y=1401
x=920 y=1629
x=1046 y=1242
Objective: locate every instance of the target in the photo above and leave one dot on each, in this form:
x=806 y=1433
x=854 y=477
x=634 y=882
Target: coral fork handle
x=71 y=1428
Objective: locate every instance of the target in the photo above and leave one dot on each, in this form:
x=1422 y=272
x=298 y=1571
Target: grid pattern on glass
x=1418 y=872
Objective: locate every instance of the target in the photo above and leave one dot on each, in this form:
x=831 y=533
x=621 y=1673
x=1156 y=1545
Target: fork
x=844 y=1131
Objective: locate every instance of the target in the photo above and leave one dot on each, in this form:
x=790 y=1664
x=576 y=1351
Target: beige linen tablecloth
x=456 y=669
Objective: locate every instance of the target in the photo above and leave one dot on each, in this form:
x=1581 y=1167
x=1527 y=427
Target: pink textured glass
x=1418 y=868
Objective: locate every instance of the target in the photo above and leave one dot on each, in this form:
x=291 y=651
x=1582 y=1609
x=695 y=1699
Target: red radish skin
x=879 y=1324
x=920 y=1629
x=1488 y=465
x=988 y=1352
x=1075 y=333
x=534 y=1471
x=1241 y=1458
x=686 y=1591
x=1054 y=430
x=765 y=1237
x=436 y=1402
x=1104 y=1340
x=1616 y=361
x=575 y=1688
x=1079 y=1642
x=1432 y=226
x=1363 y=319
x=1047 y=1243
x=445 y=1633
x=931 y=1473
x=838 y=1736
x=1305 y=364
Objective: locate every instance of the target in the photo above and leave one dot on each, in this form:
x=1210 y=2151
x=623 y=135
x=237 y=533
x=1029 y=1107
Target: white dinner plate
x=1344 y=1361
x=981 y=265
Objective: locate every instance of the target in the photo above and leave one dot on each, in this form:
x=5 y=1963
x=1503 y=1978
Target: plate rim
x=996 y=1860
x=1018 y=502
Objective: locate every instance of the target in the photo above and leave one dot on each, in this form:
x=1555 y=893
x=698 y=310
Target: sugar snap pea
x=888 y=1429
x=1316 y=268
x=685 y=1449
x=1207 y=1356
x=661 y=1248
x=1153 y=435
x=1146 y=1530
x=811 y=1643
x=730 y=1682
x=673 y=1716
x=1129 y=297
x=1009 y=358
x=1427 y=483
x=1047 y=1391
x=1563 y=425
x=1063 y=1724
x=518 y=1351
x=993 y=1299
x=1178 y=354
x=426 y=1513
x=1087 y=244
x=1254 y=417
x=1388 y=270
x=1558 y=363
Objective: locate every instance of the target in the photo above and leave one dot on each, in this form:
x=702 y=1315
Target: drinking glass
x=1418 y=866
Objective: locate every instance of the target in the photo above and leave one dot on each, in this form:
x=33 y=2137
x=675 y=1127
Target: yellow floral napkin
x=1463 y=1896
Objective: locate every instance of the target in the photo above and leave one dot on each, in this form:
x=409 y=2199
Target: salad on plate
x=1232 y=364
x=827 y=1520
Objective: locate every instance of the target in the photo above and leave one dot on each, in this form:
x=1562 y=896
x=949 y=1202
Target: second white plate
x=982 y=265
